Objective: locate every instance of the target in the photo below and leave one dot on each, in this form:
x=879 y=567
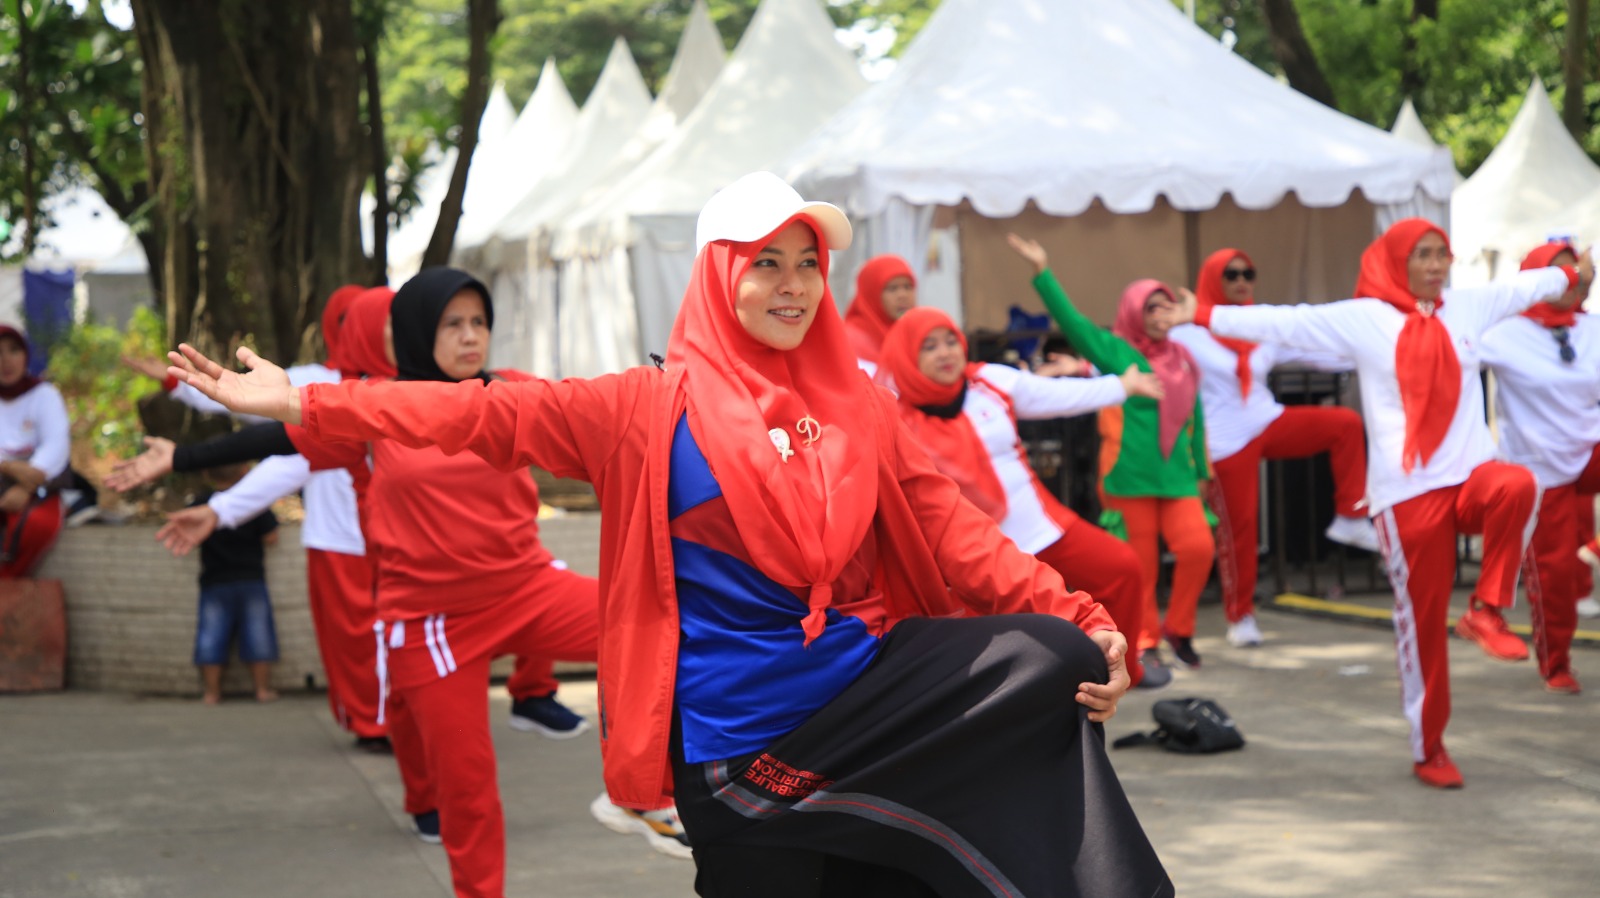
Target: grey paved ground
x=117 y=797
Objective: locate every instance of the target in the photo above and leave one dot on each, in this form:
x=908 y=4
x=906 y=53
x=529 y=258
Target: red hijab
x=1425 y=362
x=1169 y=360
x=361 y=352
x=1543 y=312
x=802 y=519
x=1209 y=293
x=952 y=442
x=27 y=381
x=867 y=322
x=333 y=318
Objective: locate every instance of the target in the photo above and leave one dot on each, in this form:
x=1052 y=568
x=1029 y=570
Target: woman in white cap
x=781 y=570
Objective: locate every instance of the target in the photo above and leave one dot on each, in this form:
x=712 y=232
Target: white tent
x=512 y=255
x=786 y=77
x=1528 y=190
x=1121 y=135
x=408 y=242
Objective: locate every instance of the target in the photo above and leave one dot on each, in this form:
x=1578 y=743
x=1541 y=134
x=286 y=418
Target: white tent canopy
x=1528 y=190
x=1408 y=127
x=786 y=77
x=1101 y=110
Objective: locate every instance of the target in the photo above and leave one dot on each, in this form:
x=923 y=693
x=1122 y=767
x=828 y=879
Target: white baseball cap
x=756 y=204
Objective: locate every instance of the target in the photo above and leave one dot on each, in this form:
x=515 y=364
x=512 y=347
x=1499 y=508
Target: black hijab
x=414 y=318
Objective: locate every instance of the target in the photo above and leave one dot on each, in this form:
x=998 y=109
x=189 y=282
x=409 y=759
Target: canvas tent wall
x=1126 y=139
x=512 y=255
x=786 y=77
x=1529 y=189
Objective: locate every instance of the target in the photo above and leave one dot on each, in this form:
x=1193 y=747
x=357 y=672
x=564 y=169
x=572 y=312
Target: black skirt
x=959 y=765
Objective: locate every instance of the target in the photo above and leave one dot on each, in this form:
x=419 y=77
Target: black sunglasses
x=1233 y=274
x=1564 y=340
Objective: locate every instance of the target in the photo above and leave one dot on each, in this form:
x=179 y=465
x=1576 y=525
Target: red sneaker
x=1564 y=682
x=1484 y=625
x=1439 y=772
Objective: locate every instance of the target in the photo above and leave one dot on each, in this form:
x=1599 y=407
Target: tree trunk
x=1411 y=80
x=30 y=180
x=1293 y=52
x=378 y=159
x=483 y=17
x=253 y=118
x=1575 y=67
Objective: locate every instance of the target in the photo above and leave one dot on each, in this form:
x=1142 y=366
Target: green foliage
x=101 y=394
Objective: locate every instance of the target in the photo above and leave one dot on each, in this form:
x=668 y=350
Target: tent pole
x=1188 y=7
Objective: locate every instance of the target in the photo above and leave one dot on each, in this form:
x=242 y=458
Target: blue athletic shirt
x=745 y=677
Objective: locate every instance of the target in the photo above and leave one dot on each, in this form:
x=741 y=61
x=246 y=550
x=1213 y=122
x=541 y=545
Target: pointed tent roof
x=695 y=67
x=1408 y=127
x=1007 y=101
x=1522 y=193
x=616 y=106
x=545 y=122
x=786 y=77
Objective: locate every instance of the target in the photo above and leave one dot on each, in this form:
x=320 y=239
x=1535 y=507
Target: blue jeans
x=243 y=609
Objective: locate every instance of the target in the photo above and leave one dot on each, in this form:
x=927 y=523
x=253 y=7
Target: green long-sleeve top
x=1130 y=460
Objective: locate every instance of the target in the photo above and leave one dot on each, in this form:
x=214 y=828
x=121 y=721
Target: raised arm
x=1103 y=349
x=1335 y=328
x=269 y=481
x=1035 y=398
x=1514 y=295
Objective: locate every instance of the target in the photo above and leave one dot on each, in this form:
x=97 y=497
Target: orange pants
x=1103 y=566
x=1299 y=432
x=1182 y=524
x=40 y=525
x=1418 y=538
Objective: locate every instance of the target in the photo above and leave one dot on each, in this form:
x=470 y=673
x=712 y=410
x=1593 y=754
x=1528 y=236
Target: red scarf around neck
x=1425 y=361
x=801 y=519
x=866 y=322
x=1209 y=293
x=1543 y=312
x=953 y=443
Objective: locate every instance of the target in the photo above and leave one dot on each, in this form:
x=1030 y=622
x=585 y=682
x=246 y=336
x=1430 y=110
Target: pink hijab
x=1180 y=378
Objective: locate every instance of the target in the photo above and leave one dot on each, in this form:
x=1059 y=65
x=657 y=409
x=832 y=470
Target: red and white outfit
x=1245 y=423
x=1430 y=476
x=980 y=450
x=1549 y=422
x=34 y=428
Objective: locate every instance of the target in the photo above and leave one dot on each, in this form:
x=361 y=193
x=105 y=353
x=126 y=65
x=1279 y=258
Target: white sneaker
x=1244 y=634
x=1587 y=556
x=1357 y=533
x=1588 y=607
x=662 y=829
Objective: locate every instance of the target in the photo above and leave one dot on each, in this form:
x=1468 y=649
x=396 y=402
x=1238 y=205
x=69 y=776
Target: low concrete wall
x=131 y=606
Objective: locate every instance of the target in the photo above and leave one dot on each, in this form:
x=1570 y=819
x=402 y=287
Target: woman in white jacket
x=1431 y=472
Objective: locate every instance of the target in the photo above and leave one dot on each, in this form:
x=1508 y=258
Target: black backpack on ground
x=1191 y=726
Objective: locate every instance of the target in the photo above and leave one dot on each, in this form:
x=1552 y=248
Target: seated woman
x=784 y=579
x=35 y=444
x=965 y=416
x=1152 y=453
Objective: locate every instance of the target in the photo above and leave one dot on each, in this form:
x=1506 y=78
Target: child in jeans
x=233 y=597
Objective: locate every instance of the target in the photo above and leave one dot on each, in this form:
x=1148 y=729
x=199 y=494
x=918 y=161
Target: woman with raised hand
x=784 y=575
x=965 y=415
x=1431 y=472
x=1245 y=424
x=1152 y=452
x=35 y=446
x=1546 y=363
x=886 y=288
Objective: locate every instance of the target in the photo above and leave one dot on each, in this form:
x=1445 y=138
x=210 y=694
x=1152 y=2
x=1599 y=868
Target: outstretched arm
x=1103 y=349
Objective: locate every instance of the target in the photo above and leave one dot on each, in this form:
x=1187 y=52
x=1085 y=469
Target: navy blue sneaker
x=427 y=827
x=549 y=718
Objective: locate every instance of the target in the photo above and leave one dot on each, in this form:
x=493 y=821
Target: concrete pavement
x=116 y=797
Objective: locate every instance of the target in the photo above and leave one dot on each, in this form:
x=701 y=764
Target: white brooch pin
x=780 y=438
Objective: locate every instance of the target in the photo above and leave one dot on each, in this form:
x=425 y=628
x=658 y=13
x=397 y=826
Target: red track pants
x=1299 y=432
x=1182 y=523
x=1554 y=576
x=1418 y=537
x=441 y=699
x=1105 y=567
x=40 y=526
x=344 y=612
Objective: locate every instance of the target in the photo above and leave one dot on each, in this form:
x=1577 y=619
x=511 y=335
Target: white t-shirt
x=1549 y=410
x=34 y=428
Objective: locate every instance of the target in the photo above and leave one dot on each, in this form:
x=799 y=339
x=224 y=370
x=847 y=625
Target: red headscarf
x=333 y=317
x=802 y=519
x=1209 y=293
x=1425 y=362
x=1169 y=360
x=361 y=352
x=1543 y=312
x=27 y=381
x=952 y=442
x=867 y=321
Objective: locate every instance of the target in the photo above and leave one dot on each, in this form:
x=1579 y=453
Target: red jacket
x=616 y=433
